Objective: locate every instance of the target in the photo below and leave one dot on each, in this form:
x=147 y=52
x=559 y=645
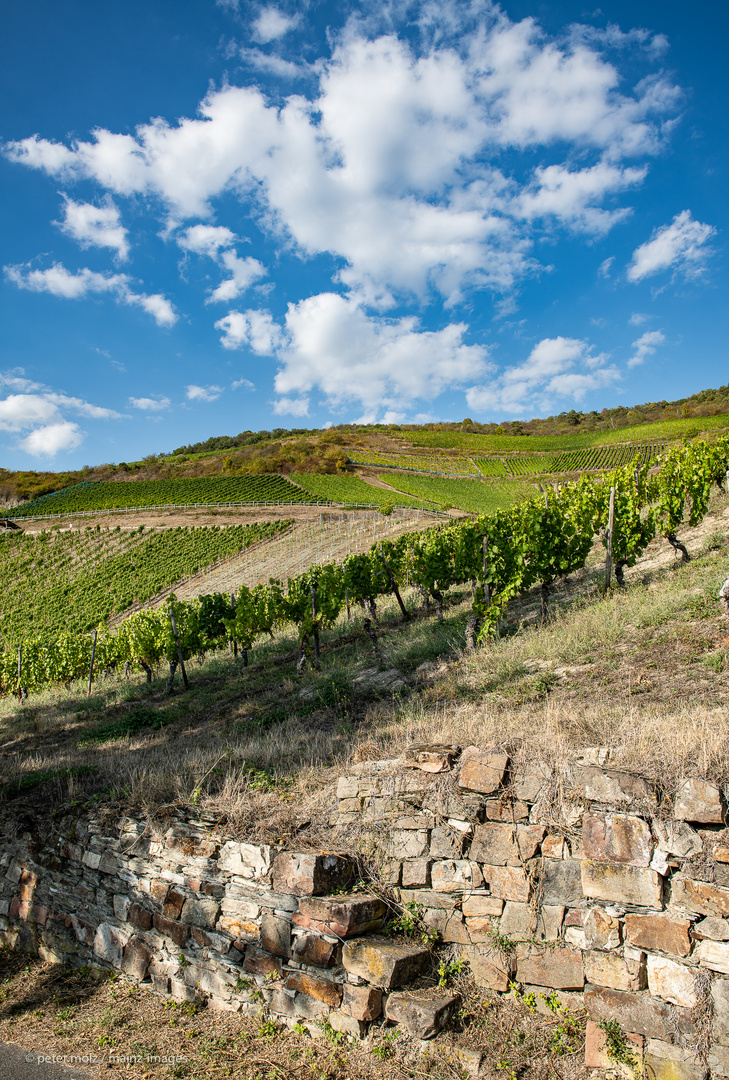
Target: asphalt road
x=16 y=1063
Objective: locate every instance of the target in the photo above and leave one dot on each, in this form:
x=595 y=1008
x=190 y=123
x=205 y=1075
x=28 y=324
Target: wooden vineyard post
x=179 y=649
x=393 y=586
x=234 y=643
x=346 y=600
x=91 y=665
x=316 y=631
x=486 y=590
x=727 y=481
x=609 y=544
x=20 y=671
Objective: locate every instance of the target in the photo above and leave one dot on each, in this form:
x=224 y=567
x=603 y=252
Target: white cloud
x=242 y=384
x=603 y=269
x=413 y=206
x=217 y=242
x=680 y=245
x=272 y=24
x=275 y=65
x=58 y=281
x=46 y=442
x=256 y=329
x=286 y=406
x=39 y=411
x=335 y=348
x=637 y=318
x=556 y=368
x=150 y=404
x=95 y=226
x=645 y=346
x=203 y=393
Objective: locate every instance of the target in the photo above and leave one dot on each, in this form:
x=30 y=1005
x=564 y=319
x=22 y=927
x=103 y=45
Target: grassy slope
x=475 y=496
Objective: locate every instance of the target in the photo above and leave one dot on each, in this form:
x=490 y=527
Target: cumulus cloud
x=146 y=404
x=638 y=318
x=95 y=226
x=556 y=368
x=681 y=246
x=203 y=393
x=58 y=281
x=37 y=413
x=255 y=329
x=414 y=207
x=645 y=346
x=334 y=347
x=272 y=24
x=218 y=242
x=242 y=384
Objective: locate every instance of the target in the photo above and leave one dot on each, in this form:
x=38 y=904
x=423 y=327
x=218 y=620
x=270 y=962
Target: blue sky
x=233 y=215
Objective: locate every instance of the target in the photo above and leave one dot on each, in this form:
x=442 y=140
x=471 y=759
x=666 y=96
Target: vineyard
x=75 y=580
x=116 y=495
x=502 y=555
x=443 y=465
x=528 y=464
x=474 y=496
x=353 y=490
x=598 y=458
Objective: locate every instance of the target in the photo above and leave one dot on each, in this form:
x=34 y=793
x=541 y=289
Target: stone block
x=611 y=787
x=672 y=981
x=321 y=989
x=341 y=916
x=422 y=1017
x=175 y=931
x=416 y=872
x=554 y=847
x=446 y=843
x=246 y=860
x=720 y=1001
x=139 y=917
x=311 y=874
x=700 y=802
x=596 y=1055
x=482 y=770
x=258 y=962
x=711 y=927
x=714 y=955
x=677 y=838
x=621 y=884
x=491 y=968
x=664 y=1060
x=276 y=935
x=454 y=875
x=560 y=969
x=174 y=903
x=239 y=929
x=136 y=959
x=316 y=951
x=508 y=810
x=480 y=929
x=200 y=912
x=602 y=931
x=621 y=838
x=85 y=932
x=383 y=963
x=520 y=920
x=348 y=1025
x=656 y=1019
x=616 y=972
x=659 y=933
x=477 y=905
x=507 y=882
x=109 y=942
x=449 y=924
x=347 y=787
x=408 y=843
x=362 y=1002
x=718 y=1060
x=500 y=845
x=699 y=897
x=121 y=904
x=430 y=758
x=561 y=881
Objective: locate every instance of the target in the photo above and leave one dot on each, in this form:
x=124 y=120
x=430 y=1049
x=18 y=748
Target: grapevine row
x=502 y=555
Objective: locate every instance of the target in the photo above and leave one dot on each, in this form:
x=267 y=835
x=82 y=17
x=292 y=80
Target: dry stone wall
x=578 y=880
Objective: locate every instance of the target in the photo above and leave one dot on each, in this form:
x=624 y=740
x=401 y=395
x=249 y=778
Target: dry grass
x=125 y=1031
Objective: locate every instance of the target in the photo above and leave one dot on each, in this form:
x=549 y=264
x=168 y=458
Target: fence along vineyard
x=530 y=544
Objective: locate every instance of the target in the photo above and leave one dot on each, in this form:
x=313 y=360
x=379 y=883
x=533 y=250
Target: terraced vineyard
x=491 y=466
x=352 y=490
x=444 y=465
x=121 y=495
x=73 y=580
x=605 y=457
x=475 y=496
